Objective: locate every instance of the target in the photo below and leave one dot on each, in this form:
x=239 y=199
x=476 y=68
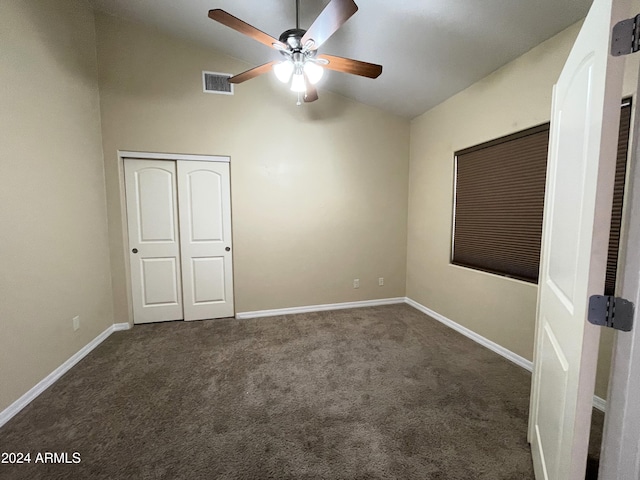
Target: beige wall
x=53 y=243
x=319 y=192
x=513 y=98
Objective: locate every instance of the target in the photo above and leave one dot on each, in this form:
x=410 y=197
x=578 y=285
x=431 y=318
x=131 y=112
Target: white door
x=205 y=239
x=582 y=155
x=154 y=250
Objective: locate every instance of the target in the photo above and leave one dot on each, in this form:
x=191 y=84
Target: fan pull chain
x=299 y=102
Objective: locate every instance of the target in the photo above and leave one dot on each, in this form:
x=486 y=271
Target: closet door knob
x=135 y=250
x=227 y=249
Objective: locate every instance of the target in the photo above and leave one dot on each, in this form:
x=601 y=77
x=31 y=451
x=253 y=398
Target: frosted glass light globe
x=283 y=70
x=298 y=84
x=314 y=72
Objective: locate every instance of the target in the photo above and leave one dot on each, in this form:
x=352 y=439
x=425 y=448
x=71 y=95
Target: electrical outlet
x=381 y=281
x=76 y=323
x=356 y=283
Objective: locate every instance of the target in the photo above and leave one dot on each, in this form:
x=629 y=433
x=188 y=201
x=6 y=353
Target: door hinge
x=625 y=38
x=608 y=311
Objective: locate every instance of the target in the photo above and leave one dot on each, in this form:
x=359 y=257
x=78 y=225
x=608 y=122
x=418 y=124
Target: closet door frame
x=124 y=261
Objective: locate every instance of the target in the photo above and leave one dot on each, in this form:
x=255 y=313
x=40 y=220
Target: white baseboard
x=9 y=412
x=598 y=402
x=318 y=308
x=485 y=342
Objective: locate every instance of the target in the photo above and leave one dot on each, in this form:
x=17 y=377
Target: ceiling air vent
x=214 y=82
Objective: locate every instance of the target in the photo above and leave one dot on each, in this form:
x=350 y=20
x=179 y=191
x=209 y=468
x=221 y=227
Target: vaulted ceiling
x=430 y=49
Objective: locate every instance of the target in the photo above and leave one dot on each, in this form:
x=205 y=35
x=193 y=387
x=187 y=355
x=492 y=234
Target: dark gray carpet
x=373 y=393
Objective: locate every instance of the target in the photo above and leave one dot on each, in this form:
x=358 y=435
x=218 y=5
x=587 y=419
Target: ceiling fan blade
x=243 y=27
x=330 y=19
x=355 y=67
x=311 y=94
x=252 y=73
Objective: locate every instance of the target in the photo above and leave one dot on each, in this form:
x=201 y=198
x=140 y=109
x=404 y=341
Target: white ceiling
x=430 y=49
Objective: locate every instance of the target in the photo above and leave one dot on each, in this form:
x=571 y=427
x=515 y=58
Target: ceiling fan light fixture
x=283 y=71
x=298 y=83
x=314 y=72
x=302 y=68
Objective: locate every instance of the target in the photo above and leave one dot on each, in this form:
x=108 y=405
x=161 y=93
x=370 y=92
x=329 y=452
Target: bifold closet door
x=154 y=249
x=204 y=205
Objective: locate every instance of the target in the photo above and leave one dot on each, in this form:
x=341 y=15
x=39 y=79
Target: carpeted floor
x=372 y=393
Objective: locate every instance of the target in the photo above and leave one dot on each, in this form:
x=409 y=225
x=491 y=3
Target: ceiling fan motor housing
x=293 y=38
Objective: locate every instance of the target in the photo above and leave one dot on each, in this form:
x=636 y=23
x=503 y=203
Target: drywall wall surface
x=54 y=251
x=319 y=191
x=513 y=98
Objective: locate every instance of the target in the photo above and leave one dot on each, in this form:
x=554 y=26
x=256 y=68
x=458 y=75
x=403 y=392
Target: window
x=499 y=199
x=618 y=198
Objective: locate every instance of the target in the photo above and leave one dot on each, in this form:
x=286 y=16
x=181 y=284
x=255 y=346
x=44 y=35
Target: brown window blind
x=499 y=200
x=618 y=197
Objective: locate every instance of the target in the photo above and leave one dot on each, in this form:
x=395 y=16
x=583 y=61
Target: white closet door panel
x=205 y=188
x=205 y=223
x=154 y=251
x=208 y=280
x=156 y=205
x=160 y=284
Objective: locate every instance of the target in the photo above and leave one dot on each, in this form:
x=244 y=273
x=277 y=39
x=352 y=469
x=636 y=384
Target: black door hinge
x=613 y=312
x=625 y=38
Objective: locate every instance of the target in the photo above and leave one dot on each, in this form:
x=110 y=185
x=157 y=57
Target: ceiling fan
x=302 y=64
